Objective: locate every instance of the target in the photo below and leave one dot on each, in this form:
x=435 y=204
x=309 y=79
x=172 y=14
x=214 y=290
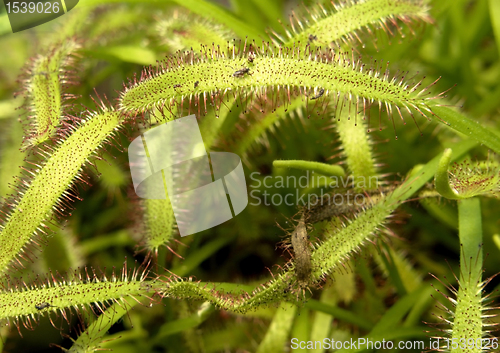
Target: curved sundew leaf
x=49 y=185
x=273 y=75
x=79 y=290
x=342 y=22
x=467 y=179
x=357 y=149
x=44 y=88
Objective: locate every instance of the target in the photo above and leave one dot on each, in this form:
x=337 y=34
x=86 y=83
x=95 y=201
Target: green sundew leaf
x=321 y=168
x=342 y=22
x=474 y=178
x=126 y=53
x=49 y=184
x=468 y=179
x=274 y=71
x=357 y=148
x=342 y=241
x=159 y=219
x=159 y=222
x=72 y=294
x=273 y=292
x=278 y=332
x=90 y=340
x=43 y=88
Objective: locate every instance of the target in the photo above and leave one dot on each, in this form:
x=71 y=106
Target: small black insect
x=177 y=86
x=241 y=72
x=250 y=58
x=42 y=306
x=196 y=84
x=320 y=93
x=312 y=38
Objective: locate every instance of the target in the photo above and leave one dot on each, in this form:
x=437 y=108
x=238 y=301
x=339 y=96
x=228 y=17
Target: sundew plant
x=369 y=136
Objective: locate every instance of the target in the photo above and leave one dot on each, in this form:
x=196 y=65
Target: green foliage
x=316 y=96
